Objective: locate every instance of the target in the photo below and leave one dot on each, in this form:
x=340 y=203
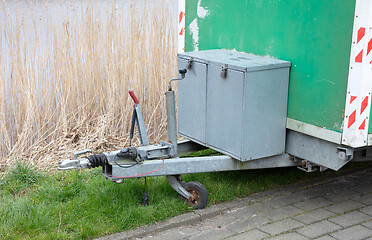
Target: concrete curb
x=214 y=210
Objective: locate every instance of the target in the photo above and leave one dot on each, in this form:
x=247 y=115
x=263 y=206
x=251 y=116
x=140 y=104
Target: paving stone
x=314 y=216
x=364 y=188
x=289 y=236
x=314 y=192
x=249 y=211
x=187 y=231
x=324 y=188
x=340 y=191
x=162 y=237
x=175 y=233
x=350 y=218
x=244 y=225
x=368 y=224
x=351 y=233
x=343 y=183
x=251 y=234
x=365 y=199
x=313 y=203
x=167 y=235
x=213 y=234
x=340 y=196
x=327 y=237
x=285 y=200
x=345 y=206
x=318 y=229
x=284 y=212
x=367 y=210
x=281 y=226
x=219 y=221
x=363 y=177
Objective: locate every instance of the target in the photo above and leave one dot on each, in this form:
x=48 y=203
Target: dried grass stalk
x=64 y=87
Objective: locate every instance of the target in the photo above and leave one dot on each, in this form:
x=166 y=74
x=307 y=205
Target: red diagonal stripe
x=180 y=17
x=361 y=33
x=359 y=57
x=351 y=119
x=363 y=125
x=181 y=32
x=352 y=98
x=364 y=104
x=369 y=47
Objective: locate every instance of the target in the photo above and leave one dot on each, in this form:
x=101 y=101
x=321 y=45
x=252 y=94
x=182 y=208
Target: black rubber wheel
x=199 y=193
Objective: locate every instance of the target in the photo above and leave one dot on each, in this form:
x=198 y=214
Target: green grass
x=83 y=204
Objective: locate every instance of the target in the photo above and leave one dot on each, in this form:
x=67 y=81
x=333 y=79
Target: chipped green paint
x=314 y=35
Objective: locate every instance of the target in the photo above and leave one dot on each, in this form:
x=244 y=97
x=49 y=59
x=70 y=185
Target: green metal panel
x=314 y=35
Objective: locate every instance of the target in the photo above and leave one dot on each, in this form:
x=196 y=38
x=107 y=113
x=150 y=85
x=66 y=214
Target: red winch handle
x=131 y=93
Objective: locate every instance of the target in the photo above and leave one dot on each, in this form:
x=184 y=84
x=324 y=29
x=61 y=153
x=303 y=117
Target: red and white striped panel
x=181 y=25
x=357 y=117
x=369 y=47
x=358 y=100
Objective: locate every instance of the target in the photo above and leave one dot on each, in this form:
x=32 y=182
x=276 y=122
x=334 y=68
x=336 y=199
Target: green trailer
x=328 y=43
x=267 y=83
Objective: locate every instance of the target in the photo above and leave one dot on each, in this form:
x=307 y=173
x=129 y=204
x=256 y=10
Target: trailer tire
x=199 y=192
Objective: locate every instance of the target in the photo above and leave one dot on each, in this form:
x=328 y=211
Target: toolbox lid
x=239 y=61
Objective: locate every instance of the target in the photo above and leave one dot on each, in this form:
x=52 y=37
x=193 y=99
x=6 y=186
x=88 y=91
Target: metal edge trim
x=314 y=131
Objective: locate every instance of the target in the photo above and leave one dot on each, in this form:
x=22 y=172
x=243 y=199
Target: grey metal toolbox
x=233 y=102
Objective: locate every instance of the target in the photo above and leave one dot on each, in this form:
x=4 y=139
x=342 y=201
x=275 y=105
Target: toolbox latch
x=224 y=71
x=189 y=63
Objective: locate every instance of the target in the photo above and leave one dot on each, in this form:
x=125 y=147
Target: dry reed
x=63 y=86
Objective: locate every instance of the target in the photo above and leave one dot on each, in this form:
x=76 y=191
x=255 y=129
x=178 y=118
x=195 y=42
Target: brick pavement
x=337 y=209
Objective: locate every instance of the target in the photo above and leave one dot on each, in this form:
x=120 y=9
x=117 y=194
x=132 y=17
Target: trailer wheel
x=199 y=193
